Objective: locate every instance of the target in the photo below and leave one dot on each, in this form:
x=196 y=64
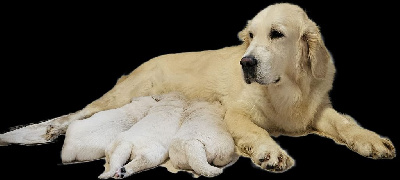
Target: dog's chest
x=291 y=122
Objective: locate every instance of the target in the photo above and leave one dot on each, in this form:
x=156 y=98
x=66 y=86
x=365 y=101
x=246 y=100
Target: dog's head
x=281 y=42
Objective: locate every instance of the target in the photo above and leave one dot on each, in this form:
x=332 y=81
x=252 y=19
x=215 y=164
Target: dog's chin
x=274 y=80
x=250 y=76
x=262 y=81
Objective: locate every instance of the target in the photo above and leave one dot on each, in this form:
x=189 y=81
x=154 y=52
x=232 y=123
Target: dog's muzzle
x=249 y=64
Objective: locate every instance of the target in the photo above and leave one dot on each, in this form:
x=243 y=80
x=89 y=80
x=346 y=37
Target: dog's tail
x=40 y=133
x=197 y=159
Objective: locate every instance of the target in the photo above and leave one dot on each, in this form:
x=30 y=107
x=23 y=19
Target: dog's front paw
x=272 y=158
x=370 y=144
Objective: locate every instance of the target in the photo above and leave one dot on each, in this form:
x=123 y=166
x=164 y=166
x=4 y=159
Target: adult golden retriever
x=275 y=83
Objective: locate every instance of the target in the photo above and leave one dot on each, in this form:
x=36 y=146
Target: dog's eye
x=275 y=34
x=251 y=35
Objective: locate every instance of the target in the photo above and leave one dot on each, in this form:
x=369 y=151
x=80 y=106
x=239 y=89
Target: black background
x=57 y=58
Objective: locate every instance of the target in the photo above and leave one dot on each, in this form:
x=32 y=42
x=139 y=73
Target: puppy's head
x=281 y=41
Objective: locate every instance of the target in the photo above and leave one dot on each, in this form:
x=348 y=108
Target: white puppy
x=203 y=139
x=147 y=142
x=87 y=139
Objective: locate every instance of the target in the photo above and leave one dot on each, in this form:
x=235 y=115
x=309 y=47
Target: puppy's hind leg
x=144 y=158
x=226 y=151
x=116 y=157
x=197 y=159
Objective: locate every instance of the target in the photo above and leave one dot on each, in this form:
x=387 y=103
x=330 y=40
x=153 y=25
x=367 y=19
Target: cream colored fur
x=296 y=105
x=202 y=140
x=145 y=145
x=87 y=139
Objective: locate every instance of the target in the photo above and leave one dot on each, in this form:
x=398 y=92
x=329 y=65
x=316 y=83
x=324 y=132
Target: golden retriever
x=276 y=82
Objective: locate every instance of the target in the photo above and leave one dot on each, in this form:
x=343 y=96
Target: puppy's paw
x=272 y=158
x=106 y=175
x=208 y=171
x=370 y=144
x=121 y=172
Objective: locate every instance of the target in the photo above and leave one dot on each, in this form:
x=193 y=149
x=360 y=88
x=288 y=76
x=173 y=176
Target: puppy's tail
x=40 y=133
x=197 y=159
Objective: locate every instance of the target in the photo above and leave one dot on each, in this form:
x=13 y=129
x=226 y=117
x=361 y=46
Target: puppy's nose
x=248 y=61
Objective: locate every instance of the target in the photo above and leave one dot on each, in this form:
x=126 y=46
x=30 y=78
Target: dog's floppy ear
x=317 y=54
x=243 y=35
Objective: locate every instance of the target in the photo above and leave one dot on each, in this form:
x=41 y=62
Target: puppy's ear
x=243 y=35
x=317 y=54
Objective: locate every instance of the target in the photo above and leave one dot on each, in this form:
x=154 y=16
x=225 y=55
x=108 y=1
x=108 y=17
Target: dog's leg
x=40 y=133
x=49 y=130
x=343 y=129
x=116 y=156
x=226 y=153
x=197 y=159
x=135 y=85
x=256 y=142
x=143 y=158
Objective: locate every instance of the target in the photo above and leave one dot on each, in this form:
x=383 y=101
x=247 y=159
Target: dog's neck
x=292 y=105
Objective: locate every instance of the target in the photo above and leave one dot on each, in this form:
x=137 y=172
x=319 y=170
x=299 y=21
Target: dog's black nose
x=248 y=61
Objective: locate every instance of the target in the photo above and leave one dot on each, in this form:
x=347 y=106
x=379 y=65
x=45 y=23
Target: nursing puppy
x=203 y=139
x=147 y=142
x=87 y=139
